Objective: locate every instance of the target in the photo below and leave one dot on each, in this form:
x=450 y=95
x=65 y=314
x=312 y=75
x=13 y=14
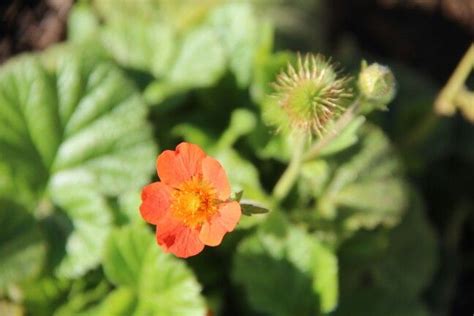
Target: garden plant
x=176 y=158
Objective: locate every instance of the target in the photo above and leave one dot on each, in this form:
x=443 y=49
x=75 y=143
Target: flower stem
x=444 y=103
x=288 y=178
x=340 y=124
x=465 y=100
x=421 y=130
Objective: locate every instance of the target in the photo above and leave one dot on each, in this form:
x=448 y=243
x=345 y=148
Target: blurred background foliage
x=379 y=223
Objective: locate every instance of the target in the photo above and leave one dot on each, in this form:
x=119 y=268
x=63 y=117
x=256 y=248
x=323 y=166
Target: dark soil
x=28 y=25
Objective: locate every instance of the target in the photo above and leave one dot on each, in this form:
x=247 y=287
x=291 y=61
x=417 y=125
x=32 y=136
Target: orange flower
x=190 y=206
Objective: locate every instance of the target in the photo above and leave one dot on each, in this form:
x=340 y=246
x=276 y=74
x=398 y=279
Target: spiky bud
x=308 y=96
x=377 y=83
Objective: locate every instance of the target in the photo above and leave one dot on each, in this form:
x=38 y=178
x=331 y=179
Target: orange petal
x=224 y=221
x=156 y=200
x=213 y=172
x=179 y=165
x=173 y=236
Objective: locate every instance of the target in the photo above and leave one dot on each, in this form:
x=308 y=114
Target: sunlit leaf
x=76 y=128
x=201 y=60
x=238 y=27
x=121 y=301
x=367 y=187
x=83 y=24
x=285 y=271
x=136 y=35
x=156 y=283
x=183 y=44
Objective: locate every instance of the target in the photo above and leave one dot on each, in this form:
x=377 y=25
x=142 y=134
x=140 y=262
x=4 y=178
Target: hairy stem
x=465 y=101
x=444 y=103
x=288 y=178
x=421 y=130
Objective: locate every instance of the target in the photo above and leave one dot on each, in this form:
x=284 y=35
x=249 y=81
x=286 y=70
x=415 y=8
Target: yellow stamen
x=194 y=202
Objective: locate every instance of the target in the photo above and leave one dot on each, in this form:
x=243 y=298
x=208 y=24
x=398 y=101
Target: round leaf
x=389 y=265
x=73 y=125
x=162 y=284
x=291 y=259
x=367 y=187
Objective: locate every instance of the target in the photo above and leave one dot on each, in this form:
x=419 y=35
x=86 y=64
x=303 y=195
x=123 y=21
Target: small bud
x=308 y=96
x=377 y=83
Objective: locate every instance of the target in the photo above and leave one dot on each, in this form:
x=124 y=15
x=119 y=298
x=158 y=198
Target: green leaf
x=91 y=217
x=388 y=265
x=238 y=195
x=200 y=61
x=124 y=255
x=238 y=29
x=249 y=208
x=28 y=144
x=161 y=284
x=83 y=293
x=22 y=245
x=407 y=267
x=346 y=138
x=83 y=24
x=285 y=271
x=376 y=303
x=44 y=295
x=181 y=15
x=74 y=127
x=10 y=309
x=279 y=146
x=121 y=301
x=326 y=282
x=153 y=44
x=141 y=27
x=314 y=178
x=183 y=58
x=242 y=122
x=158 y=91
x=185 y=44
x=367 y=187
x=267 y=67
x=128 y=206
x=246 y=178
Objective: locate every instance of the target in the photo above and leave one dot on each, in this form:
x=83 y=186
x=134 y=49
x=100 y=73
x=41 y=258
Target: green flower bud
x=307 y=97
x=377 y=83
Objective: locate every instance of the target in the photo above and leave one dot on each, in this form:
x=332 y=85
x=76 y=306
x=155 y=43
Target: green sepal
x=250 y=207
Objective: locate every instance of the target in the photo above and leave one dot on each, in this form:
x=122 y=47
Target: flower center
x=194 y=202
